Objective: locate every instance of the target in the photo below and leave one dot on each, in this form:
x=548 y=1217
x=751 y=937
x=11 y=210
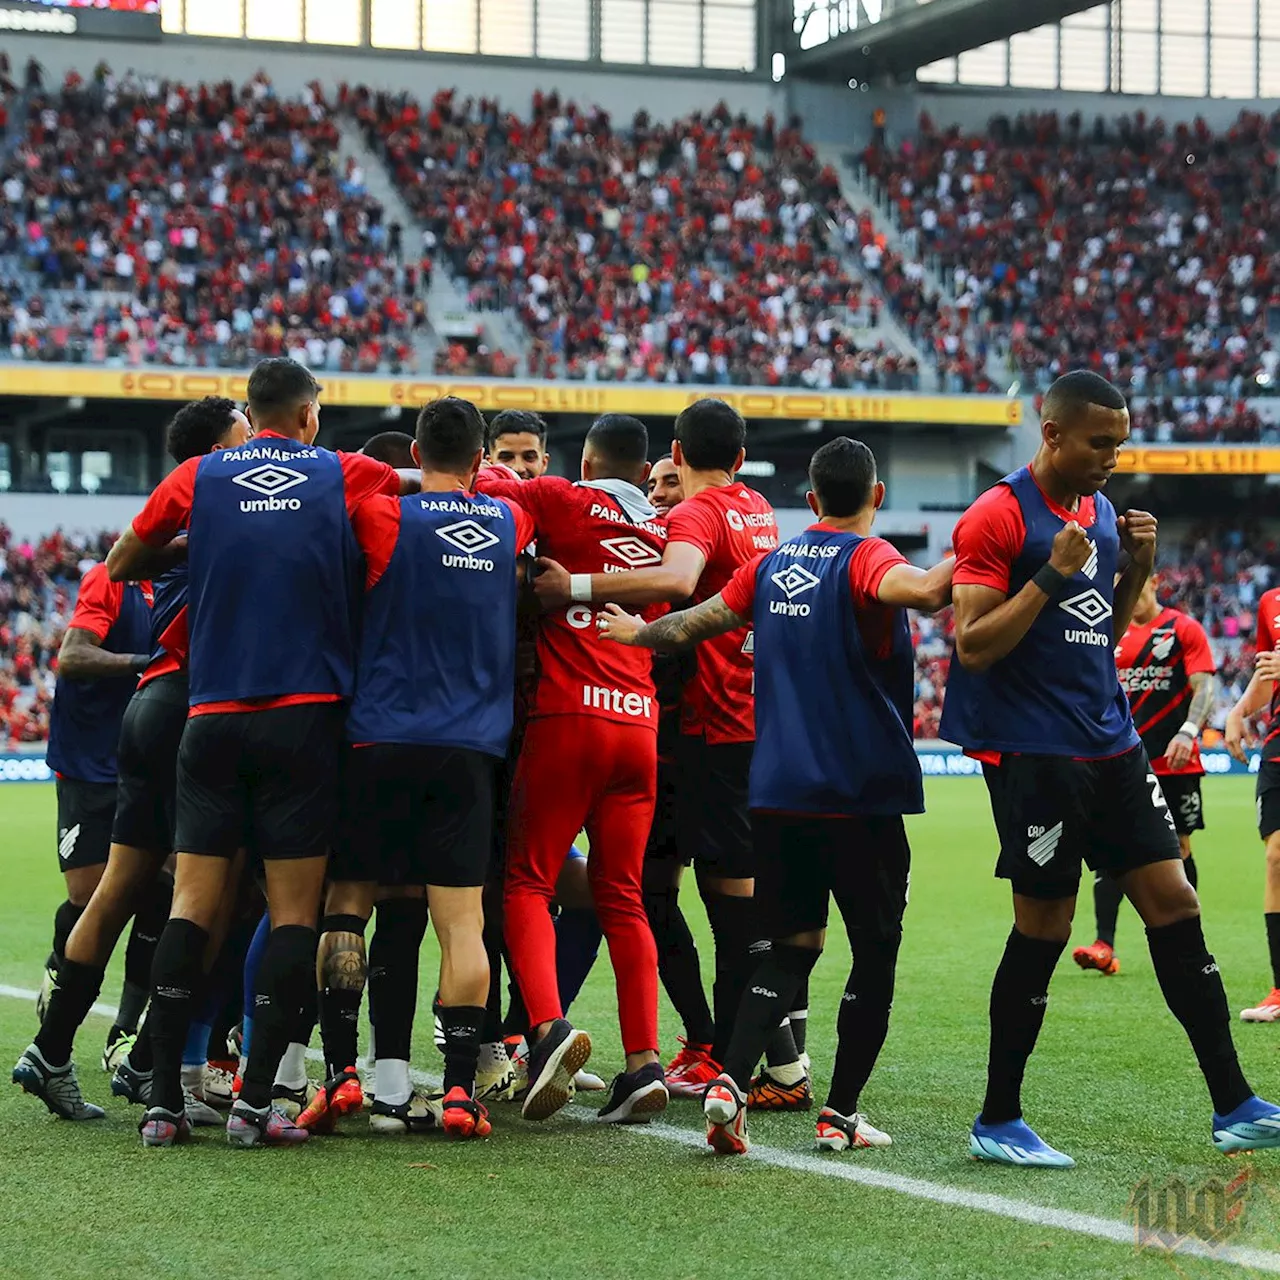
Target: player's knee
x=661 y=906
x=1273 y=859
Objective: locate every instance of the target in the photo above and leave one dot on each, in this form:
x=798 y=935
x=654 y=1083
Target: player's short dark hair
x=1073 y=393
x=280 y=383
x=391 y=447
x=842 y=474
x=711 y=434
x=512 y=422
x=620 y=439
x=450 y=432
x=197 y=427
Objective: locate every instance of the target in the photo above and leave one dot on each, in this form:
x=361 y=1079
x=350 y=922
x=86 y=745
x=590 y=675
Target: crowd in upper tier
x=1145 y=250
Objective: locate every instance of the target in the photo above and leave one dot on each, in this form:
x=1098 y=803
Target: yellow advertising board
x=493 y=394
x=1202 y=460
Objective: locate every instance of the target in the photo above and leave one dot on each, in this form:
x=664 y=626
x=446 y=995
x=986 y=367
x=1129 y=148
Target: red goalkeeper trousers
x=576 y=772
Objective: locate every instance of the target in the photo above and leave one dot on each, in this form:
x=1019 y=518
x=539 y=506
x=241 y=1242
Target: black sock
x=678 y=963
x=1188 y=975
x=863 y=1022
x=780 y=1051
x=400 y=926
x=799 y=1017
x=73 y=997
x=578 y=939
x=227 y=979
x=461 y=1025
x=140 y=1056
x=1273 y=944
x=770 y=993
x=64 y=920
x=1107 y=896
x=1189 y=866
x=148 y=923
x=733 y=927
x=492 y=1031
x=177 y=977
x=1019 y=995
x=342 y=972
x=516 y=1023
x=286 y=985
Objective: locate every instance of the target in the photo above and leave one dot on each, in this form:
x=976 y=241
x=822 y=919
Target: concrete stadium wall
x=621 y=93
x=32 y=515
x=842 y=116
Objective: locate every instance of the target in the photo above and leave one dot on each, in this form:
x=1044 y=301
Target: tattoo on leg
x=343 y=966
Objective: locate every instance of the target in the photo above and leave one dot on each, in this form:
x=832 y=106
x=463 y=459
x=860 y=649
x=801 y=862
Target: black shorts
x=802 y=862
x=1268 y=798
x=663 y=844
x=1052 y=813
x=146 y=797
x=415 y=815
x=85 y=810
x=1182 y=791
x=713 y=822
x=266 y=781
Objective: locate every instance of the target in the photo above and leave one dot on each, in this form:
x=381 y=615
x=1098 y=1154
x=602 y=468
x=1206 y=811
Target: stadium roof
x=913 y=35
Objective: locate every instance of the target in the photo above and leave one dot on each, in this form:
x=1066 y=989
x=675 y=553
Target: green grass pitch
x=1113 y=1082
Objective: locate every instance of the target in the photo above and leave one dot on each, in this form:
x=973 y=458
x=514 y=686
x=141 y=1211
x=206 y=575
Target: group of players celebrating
x=361 y=697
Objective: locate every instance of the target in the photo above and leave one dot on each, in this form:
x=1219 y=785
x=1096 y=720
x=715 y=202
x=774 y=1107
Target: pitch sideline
x=1084 y=1224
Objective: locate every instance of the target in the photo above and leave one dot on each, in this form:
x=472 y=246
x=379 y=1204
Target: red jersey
x=587 y=530
x=98 y=604
x=731 y=526
x=1156 y=661
x=1269 y=638
x=168 y=512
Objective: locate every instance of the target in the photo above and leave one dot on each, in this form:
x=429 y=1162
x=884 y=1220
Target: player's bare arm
x=674 y=631
x=1137 y=537
x=675 y=579
x=1204 y=692
x=1252 y=700
x=989 y=623
x=82 y=657
x=910 y=587
x=133 y=560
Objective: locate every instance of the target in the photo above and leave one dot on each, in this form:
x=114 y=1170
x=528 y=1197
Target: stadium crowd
x=152 y=222
x=1141 y=249
x=38 y=584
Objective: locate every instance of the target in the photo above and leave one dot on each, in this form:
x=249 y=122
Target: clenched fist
x=1071 y=550
x=1138 y=537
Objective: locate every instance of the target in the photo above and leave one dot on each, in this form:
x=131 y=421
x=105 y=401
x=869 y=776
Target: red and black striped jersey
x=1156 y=661
x=1269 y=638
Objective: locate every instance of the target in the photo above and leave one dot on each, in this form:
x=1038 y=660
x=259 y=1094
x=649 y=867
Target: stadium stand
x=1142 y=249
x=150 y=222
x=694 y=251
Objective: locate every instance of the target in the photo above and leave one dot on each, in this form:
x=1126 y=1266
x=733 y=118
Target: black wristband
x=1049 y=580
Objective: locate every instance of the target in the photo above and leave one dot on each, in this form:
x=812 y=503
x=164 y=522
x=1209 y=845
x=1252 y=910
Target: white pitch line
x=1084 y=1224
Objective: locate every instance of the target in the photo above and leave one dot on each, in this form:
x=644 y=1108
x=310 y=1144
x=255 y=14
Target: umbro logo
x=270 y=480
x=1043 y=843
x=794 y=580
x=1162 y=645
x=1090 y=607
x=1090 y=569
x=632 y=551
x=468 y=536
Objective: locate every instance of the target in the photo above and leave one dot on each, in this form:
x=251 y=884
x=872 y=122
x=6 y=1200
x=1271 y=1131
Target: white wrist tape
x=1191 y=729
x=580 y=587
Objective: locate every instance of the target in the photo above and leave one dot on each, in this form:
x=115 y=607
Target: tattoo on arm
x=686 y=628
x=1204 y=685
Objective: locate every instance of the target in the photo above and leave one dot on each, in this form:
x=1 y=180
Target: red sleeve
x=696 y=523
x=98 y=604
x=168 y=510
x=1266 y=612
x=377 y=527
x=364 y=476
x=739 y=593
x=872 y=559
x=1195 y=646
x=525 y=531
x=988 y=539
x=530 y=495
